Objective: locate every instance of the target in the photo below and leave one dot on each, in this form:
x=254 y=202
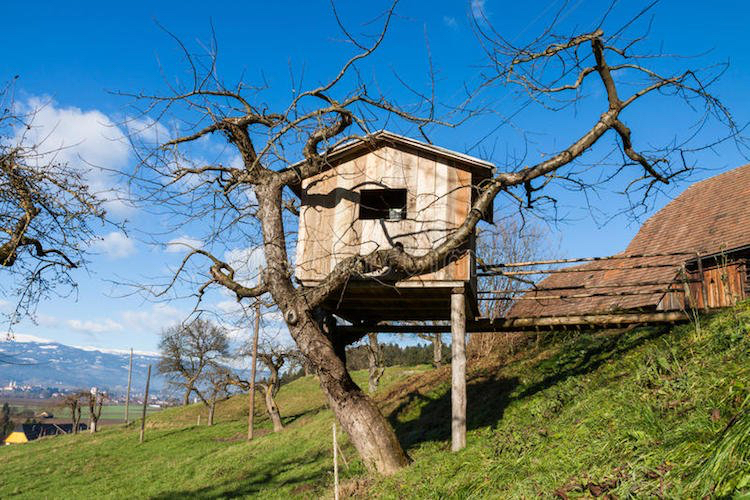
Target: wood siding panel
x=438 y=200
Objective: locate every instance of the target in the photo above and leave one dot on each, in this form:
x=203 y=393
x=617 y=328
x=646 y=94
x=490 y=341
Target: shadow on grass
x=587 y=353
x=489 y=394
x=263 y=477
x=487 y=398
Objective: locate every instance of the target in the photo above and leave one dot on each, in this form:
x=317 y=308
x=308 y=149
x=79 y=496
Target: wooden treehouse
x=389 y=190
x=380 y=192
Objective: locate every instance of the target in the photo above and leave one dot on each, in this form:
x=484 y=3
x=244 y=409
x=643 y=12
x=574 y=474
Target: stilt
x=458 y=370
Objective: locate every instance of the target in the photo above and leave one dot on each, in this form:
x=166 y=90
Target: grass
x=109 y=412
x=640 y=413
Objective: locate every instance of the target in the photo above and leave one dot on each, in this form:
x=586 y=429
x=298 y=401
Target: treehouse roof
x=480 y=169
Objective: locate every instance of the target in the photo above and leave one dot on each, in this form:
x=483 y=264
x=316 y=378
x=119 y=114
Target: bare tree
x=189 y=349
x=510 y=239
x=73 y=403
x=269 y=142
x=217 y=380
x=375 y=362
x=46 y=212
x=96 y=400
x=273 y=358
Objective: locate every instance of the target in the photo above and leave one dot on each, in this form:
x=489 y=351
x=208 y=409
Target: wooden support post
x=458 y=370
x=145 y=404
x=127 y=396
x=251 y=403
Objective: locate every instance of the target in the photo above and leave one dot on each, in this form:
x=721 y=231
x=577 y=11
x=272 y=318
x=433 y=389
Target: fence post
x=251 y=409
x=145 y=404
x=335 y=465
x=127 y=396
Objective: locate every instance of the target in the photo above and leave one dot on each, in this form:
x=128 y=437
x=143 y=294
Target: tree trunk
x=273 y=410
x=437 y=350
x=186 y=398
x=375 y=362
x=211 y=408
x=368 y=429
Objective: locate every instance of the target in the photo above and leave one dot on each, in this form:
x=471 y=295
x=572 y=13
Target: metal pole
x=127 y=396
x=145 y=404
x=251 y=409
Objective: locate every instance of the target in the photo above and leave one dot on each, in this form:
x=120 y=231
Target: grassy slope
x=639 y=413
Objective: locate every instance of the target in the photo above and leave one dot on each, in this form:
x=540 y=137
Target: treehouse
x=383 y=191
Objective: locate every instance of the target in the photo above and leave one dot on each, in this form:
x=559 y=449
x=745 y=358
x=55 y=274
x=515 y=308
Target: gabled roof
x=709 y=217
x=35 y=431
x=481 y=168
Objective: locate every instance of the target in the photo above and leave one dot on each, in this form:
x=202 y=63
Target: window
x=389 y=204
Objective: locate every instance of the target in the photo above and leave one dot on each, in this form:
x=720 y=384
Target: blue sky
x=74 y=57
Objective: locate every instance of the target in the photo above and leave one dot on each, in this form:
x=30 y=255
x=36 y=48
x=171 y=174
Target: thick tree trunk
x=273 y=410
x=186 y=398
x=375 y=362
x=368 y=429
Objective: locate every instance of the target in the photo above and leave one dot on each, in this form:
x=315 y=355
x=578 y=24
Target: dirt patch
x=355 y=488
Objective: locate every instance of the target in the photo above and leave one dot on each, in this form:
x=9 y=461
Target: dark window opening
x=389 y=204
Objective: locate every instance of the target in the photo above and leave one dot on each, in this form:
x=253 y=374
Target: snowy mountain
x=30 y=361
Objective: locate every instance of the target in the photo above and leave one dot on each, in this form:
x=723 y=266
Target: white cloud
x=86 y=140
x=116 y=245
x=450 y=22
x=183 y=244
x=94 y=326
x=246 y=263
x=152 y=319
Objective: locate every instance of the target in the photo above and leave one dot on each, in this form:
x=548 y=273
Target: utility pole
x=145 y=404
x=127 y=396
x=251 y=409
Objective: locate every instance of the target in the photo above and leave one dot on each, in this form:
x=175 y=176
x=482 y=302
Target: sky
x=74 y=61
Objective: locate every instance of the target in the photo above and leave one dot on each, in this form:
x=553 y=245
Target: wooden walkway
x=537 y=323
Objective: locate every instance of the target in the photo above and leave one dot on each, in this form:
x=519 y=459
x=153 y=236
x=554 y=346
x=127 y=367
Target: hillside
x=645 y=413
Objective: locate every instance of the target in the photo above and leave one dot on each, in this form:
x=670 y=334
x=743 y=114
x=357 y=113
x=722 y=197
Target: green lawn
x=644 y=413
x=109 y=412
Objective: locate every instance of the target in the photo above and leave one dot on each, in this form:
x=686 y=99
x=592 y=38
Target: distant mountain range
x=29 y=361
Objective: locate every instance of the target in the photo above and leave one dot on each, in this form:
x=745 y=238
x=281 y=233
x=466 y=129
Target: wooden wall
x=438 y=200
x=718 y=286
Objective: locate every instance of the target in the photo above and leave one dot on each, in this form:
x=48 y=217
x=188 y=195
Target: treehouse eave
x=480 y=169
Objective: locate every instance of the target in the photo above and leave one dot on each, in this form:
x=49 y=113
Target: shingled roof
x=709 y=217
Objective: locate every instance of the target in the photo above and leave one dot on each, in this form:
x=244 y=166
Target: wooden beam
x=458 y=370
x=498 y=325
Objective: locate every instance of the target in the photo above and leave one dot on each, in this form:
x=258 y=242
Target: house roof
x=35 y=431
x=709 y=217
x=360 y=146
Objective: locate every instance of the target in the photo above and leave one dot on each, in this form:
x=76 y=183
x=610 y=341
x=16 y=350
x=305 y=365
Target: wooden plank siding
x=438 y=200
x=718 y=286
